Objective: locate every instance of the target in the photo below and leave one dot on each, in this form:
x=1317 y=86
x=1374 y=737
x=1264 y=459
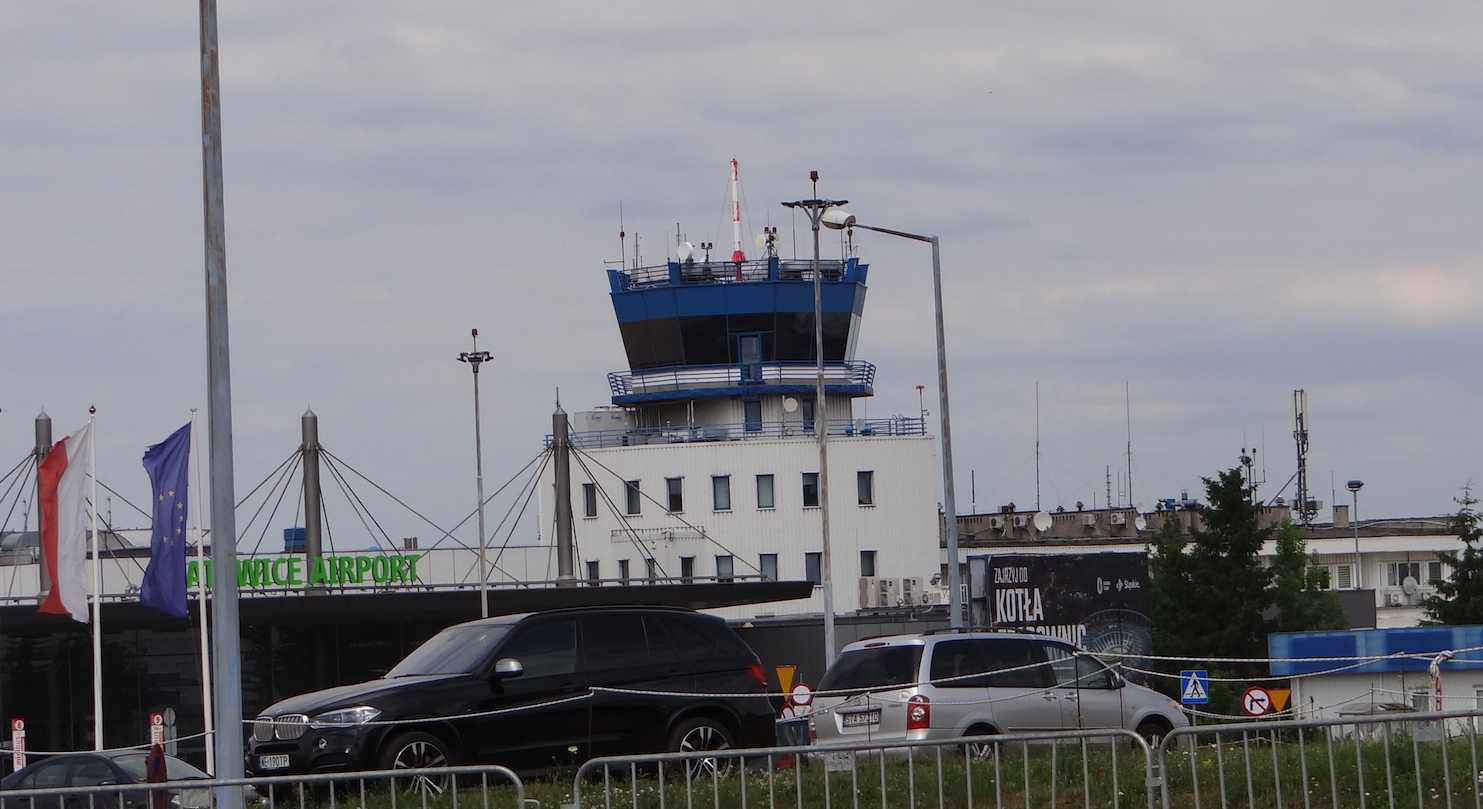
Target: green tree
x=1460 y=599
x=1299 y=586
x=1208 y=593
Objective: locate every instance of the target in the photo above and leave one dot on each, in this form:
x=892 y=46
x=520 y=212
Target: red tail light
x=918 y=713
x=755 y=669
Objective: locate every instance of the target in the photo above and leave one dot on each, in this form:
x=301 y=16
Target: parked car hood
x=346 y=696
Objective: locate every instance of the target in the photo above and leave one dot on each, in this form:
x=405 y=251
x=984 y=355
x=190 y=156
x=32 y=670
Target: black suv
x=532 y=692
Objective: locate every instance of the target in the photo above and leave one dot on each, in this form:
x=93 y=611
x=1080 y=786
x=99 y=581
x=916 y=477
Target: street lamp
x=474 y=358
x=1355 y=486
x=839 y=220
x=815 y=209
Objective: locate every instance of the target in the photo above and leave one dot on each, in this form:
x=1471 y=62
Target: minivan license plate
x=277 y=762
x=862 y=718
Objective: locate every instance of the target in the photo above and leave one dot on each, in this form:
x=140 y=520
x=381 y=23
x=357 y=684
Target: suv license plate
x=862 y=718
x=277 y=762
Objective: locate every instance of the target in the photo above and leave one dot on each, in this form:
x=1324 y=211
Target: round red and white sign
x=802 y=694
x=17 y=724
x=1256 y=701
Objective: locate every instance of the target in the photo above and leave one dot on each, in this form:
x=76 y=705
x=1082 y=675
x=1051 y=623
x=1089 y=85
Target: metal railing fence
x=481 y=787
x=1400 y=760
x=1082 y=768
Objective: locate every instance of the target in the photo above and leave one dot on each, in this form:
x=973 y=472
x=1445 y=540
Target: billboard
x=1099 y=601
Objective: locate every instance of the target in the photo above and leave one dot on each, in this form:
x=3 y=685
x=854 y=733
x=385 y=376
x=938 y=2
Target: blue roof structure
x=1390 y=650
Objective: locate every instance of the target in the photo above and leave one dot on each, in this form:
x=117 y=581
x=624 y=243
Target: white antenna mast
x=736 y=255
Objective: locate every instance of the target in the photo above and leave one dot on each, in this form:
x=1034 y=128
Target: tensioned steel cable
x=447 y=534
x=528 y=491
x=359 y=507
x=628 y=528
x=682 y=520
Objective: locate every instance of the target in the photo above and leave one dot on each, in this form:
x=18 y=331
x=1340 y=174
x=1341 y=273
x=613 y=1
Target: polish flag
x=64 y=524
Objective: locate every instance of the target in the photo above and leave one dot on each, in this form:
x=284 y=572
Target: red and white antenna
x=737 y=255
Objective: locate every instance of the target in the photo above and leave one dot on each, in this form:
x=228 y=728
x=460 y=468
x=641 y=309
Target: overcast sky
x=1210 y=204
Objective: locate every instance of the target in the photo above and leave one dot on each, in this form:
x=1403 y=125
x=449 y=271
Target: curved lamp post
x=839 y=220
x=1354 y=487
x=817 y=209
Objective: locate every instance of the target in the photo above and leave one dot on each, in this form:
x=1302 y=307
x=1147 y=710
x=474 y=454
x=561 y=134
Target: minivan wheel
x=702 y=735
x=979 y=751
x=1153 y=732
x=417 y=751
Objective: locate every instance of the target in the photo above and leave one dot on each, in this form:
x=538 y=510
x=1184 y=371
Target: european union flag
x=164 y=579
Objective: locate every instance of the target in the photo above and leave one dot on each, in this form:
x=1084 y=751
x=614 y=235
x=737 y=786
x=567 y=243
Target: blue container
x=293 y=540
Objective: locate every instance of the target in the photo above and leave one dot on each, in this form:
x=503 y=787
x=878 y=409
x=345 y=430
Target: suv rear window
x=879 y=667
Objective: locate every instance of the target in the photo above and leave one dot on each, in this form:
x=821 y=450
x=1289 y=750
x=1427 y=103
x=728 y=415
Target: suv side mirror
x=508 y=667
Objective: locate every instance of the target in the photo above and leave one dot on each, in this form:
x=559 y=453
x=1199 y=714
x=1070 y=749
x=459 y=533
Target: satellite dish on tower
x=761 y=241
x=687 y=251
x=789 y=404
x=1042 y=522
x=1140 y=523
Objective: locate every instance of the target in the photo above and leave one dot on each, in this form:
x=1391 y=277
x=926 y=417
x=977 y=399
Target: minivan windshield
x=878 y=667
x=455 y=650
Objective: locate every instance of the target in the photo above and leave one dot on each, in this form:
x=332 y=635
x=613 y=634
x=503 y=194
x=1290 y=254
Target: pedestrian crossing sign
x=1194 y=686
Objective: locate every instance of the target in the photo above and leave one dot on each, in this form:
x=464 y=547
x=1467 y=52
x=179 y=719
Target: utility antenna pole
x=1037 y=447
x=1306 y=508
x=1128 y=405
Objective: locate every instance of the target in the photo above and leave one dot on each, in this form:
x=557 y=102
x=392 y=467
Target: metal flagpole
x=210 y=726
x=227 y=642
x=97 y=587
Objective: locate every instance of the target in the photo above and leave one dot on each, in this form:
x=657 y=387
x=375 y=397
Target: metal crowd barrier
x=484 y=787
x=1111 y=767
x=1407 y=760
x=1396 y=760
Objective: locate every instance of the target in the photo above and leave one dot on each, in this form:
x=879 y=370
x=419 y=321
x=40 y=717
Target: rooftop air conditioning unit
x=867 y=592
x=1118 y=518
x=1021 y=520
x=996 y=523
x=1089 y=520
x=887 y=591
x=931 y=597
x=911 y=588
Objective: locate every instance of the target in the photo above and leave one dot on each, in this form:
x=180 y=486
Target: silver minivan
x=953 y=683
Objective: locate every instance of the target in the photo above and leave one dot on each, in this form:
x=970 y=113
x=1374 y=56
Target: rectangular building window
x=725 y=569
x=651 y=568
x=1396 y=573
x=808 y=415
x=867 y=563
x=674 y=489
x=631 y=493
x=721 y=492
x=589 y=499
x=1433 y=572
x=813 y=568
x=764 y=491
x=1344 y=576
x=865 y=487
x=623 y=572
x=768 y=564
x=687 y=570
x=752 y=416
x=810 y=489
x=594 y=576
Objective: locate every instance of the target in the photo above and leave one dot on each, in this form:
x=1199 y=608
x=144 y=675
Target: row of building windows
x=767 y=567
x=674 y=493
x=1396 y=573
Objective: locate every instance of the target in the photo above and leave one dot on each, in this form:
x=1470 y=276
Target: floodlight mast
x=815 y=209
x=474 y=359
x=840 y=220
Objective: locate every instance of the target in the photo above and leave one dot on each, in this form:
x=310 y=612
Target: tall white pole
x=210 y=722
x=97 y=586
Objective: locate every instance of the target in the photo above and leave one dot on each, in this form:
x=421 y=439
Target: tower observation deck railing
x=727 y=272
x=856 y=376
x=691 y=433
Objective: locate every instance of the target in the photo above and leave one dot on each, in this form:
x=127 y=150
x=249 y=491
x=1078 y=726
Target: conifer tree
x=1300 y=586
x=1459 y=600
